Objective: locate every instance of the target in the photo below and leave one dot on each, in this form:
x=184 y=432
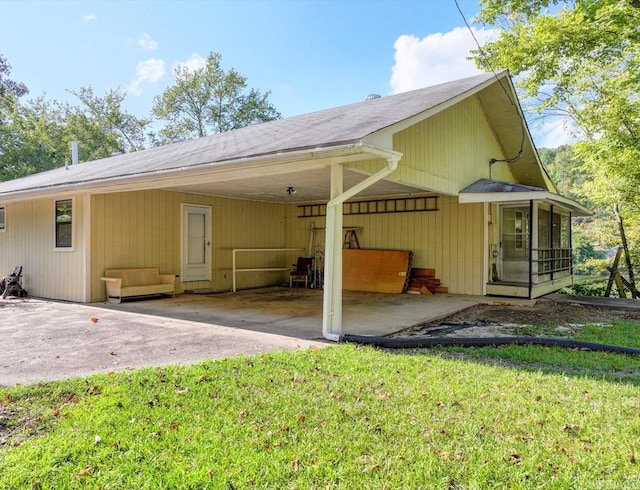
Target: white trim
x=73 y=225
x=525 y=196
x=86 y=247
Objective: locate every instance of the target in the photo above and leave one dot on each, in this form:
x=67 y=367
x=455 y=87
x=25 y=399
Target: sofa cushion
x=145 y=290
x=135 y=277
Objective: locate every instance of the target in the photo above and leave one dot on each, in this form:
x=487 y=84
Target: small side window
x=64 y=224
x=3 y=218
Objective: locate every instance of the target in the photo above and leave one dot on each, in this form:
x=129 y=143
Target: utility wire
x=488 y=63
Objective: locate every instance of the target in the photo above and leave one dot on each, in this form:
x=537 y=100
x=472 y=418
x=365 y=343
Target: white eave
x=504 y=192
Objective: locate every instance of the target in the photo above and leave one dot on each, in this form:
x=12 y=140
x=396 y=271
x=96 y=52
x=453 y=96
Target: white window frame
x=55 y=228
x=3 y=222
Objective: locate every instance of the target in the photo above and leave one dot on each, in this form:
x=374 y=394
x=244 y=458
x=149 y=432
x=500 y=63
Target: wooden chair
x=301 y=271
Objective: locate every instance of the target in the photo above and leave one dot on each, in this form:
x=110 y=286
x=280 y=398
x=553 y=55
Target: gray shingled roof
x=323 y=129
x=511 y=191
x=486 y=186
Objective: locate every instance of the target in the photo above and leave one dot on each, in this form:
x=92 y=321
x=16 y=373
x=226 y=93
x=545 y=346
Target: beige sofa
x=123 y=283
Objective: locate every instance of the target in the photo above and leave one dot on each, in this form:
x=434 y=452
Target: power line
x=488 y=63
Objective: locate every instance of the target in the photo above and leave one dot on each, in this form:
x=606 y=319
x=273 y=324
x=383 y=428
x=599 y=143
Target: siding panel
x=143 y=229
x=29 y=241
x=449 y=240
x=448 y=151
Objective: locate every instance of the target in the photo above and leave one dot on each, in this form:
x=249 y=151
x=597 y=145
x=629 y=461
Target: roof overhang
x=264 y=167
x=486 y=191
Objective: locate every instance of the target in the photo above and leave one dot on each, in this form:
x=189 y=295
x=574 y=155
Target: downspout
x=332 y=300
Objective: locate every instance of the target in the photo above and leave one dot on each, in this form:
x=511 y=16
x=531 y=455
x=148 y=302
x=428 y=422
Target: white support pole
x=332 y=300
x=332 y=318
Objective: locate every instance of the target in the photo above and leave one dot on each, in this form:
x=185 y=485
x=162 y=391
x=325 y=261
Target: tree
x=32 y=139
x=103 y=125
x=36 y=134
x=579 y=59
x=567 y=171
x=210 y=100
x=8 y=86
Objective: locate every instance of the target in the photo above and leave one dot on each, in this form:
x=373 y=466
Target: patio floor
x=297 y=312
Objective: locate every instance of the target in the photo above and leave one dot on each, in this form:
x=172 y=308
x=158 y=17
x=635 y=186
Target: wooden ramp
x=375 y=271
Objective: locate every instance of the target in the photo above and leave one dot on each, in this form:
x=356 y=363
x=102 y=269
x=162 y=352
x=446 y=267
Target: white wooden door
x=196 y=243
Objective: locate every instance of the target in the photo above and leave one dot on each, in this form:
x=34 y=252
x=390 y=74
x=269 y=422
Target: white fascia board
x=515 y=197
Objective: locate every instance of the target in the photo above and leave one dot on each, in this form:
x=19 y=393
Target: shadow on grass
x=602 y=366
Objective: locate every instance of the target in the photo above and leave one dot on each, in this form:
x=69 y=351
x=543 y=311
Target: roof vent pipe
x=74 y=153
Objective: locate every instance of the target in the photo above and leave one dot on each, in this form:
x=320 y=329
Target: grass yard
x=341 y=417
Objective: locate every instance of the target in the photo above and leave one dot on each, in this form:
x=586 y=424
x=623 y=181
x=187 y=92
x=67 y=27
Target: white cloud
x=194 y=62
x=436 y=58
x=147 y=43
x=147 y=71
x=89 y=17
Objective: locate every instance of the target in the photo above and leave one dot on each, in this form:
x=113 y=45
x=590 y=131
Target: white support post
x=332 y=299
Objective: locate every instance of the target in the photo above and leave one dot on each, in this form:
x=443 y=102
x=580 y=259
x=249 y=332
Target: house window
x=3 y=222
x=64 y=224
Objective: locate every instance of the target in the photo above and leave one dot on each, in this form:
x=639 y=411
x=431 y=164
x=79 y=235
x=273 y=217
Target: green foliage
x=9 y=87
x=588 y=288
x=36 y=134
x=210 y=100
x=339 y=417
x=32 y=138
x=579 y=59
x=567 y=171
x=123 y=132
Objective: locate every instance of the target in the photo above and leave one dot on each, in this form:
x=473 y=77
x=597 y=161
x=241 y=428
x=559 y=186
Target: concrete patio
x=297 y=312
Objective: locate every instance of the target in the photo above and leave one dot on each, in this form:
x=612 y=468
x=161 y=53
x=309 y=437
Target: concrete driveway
x=48 y=340
x=45 y=341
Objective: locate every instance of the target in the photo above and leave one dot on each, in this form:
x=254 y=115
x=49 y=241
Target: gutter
x=332 y=298
x=158 y=179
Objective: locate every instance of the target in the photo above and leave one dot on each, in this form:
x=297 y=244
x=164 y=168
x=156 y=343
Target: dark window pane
x=64 y=226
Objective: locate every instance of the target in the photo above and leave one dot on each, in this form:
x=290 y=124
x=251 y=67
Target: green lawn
x=341 y=417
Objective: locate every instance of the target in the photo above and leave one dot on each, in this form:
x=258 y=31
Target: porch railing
x=551 y=261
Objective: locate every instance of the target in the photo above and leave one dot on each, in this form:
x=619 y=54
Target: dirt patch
x=503 y=319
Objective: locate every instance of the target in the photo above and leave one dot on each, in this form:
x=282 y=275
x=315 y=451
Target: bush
x=589 y=288
x=591 y=266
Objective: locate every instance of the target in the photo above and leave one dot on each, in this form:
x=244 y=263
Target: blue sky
x=311 y=55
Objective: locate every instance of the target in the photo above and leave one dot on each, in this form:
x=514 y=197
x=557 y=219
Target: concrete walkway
x=618 y=303
x=47 y=340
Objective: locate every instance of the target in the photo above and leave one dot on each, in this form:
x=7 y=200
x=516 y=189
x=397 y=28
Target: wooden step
x=423 y=281
x=418 y=272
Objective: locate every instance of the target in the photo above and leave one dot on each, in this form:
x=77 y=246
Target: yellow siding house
x=448 y=172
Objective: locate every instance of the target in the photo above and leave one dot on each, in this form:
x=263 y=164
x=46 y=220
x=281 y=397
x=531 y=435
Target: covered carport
x=318 y=175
